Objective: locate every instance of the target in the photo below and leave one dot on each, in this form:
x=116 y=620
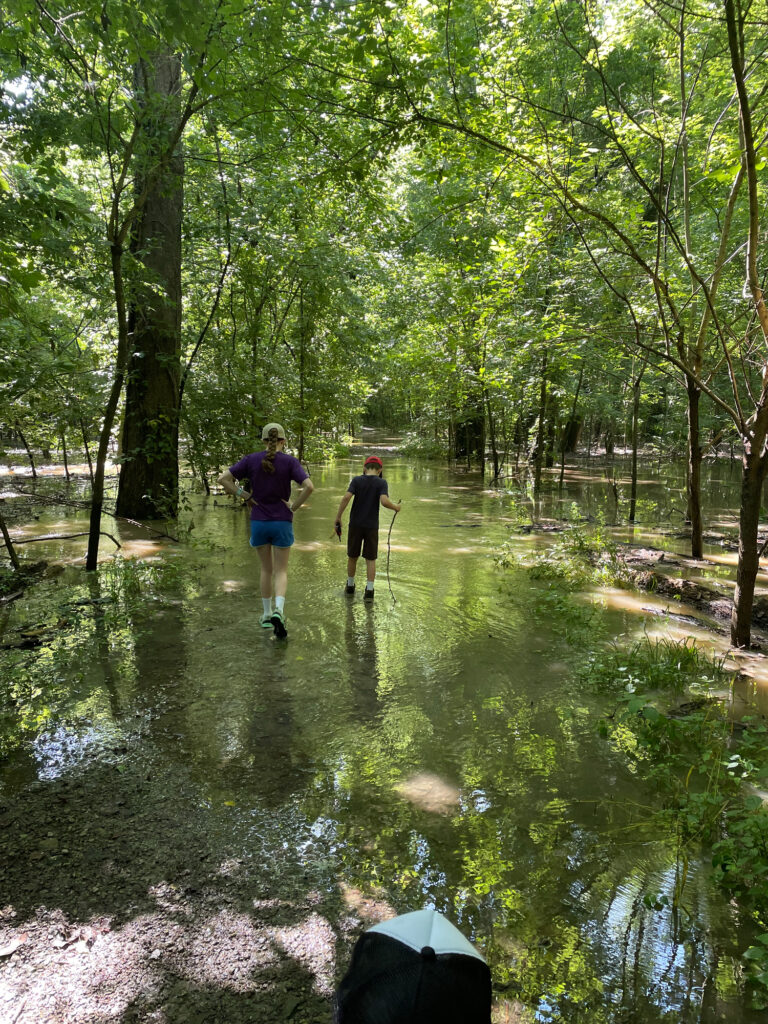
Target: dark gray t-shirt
x=367 y=490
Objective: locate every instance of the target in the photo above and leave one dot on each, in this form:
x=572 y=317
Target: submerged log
x=697 y=595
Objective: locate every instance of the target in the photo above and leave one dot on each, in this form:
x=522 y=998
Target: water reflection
x=363 y=660
x=269 y=753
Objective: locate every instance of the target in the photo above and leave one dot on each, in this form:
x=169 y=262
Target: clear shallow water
x=429 y=751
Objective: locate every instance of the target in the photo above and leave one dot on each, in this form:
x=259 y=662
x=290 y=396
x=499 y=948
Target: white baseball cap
x=273 y=426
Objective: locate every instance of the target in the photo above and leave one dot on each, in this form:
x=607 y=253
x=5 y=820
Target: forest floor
x=92 y=930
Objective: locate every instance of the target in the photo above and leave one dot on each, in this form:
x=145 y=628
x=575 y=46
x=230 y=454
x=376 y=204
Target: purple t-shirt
x=270 y=491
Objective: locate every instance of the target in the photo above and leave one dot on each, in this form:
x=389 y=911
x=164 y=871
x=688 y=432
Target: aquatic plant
x=584 y=554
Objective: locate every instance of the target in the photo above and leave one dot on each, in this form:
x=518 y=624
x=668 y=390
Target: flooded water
x=428 y=749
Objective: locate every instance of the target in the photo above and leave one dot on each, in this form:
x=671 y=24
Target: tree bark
x=30 y=456
x=149 y=477
x=8 y=543
x=752 y=477
x=64 y=455
x=97 y=476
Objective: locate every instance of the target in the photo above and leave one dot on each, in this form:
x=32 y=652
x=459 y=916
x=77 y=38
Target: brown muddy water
x=431 y=750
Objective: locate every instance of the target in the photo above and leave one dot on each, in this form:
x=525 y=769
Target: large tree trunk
x=149 y=477
x=694 y=471
x=97 y=477
x=752 y=477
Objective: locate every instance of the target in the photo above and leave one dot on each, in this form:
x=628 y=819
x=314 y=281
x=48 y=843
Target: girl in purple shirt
x=269 y=475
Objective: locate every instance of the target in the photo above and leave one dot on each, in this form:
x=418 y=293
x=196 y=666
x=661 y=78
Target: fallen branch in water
x=63 y=536
x=85 y=507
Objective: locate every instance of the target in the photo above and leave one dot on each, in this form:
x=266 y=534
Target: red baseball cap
x=373 y=459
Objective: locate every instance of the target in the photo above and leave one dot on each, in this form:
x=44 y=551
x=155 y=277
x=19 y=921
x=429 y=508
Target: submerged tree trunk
x=753 y=474
x=469 y=437
x=149 y=477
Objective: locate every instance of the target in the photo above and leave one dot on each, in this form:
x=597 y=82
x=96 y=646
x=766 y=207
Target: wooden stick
x=389 y=582
x=85 y=505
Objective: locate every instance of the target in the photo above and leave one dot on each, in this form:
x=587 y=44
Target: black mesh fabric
x=389 y=983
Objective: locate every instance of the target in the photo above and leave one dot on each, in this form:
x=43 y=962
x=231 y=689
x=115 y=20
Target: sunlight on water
x=429 y=793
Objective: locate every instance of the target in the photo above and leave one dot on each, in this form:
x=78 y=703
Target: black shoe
x=368 y=595
x=278 y=622
x=350 y=588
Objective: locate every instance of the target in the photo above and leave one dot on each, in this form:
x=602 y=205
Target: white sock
x=280 y=604
x=369 y=584
x=350 y=581
x=266 y=605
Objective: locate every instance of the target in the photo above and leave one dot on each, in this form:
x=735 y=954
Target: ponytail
x=268 y=462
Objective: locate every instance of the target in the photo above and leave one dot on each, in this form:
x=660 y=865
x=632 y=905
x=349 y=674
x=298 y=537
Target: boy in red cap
x=369 y=491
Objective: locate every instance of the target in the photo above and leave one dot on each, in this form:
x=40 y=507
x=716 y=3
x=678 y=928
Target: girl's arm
x=343 y=504
x=231 y=486
x=306 y=489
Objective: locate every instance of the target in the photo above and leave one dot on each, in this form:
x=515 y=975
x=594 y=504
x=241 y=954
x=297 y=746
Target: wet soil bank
x=654 y=570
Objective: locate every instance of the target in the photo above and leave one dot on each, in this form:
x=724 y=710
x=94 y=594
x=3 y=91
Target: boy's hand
x=398 y=506
x=337 y=528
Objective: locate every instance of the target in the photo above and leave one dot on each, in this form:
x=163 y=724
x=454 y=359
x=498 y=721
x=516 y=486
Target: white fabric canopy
x=423 y=928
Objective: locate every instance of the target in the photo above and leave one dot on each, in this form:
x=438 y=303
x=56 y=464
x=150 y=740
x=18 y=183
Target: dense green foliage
x=390 y=210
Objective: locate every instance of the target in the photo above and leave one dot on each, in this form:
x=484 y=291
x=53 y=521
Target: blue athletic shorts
x=276 y=532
